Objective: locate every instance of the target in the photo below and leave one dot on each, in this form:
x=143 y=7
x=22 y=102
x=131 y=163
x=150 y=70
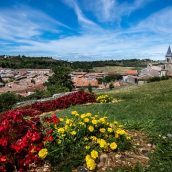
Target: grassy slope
x=148 y=108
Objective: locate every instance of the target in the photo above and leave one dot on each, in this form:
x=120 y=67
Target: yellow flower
x=43 y=153
x=75 y=113
x=121 y=132
x=93 y=138
x=102 y=143
x=113 y=146
x=91 y=165
x=102 y=130
x=102 y=120
x=87 y=157
x=88 y=114
x=66 y=127
x=83 y=115
x=87 y=147
x=110 y=130
x=81 y=123
x=94 y=121
x=128 y=138
x=94 y=154
x=68 y=121
x=116 y=135
x=86 y=139
x=61 y=119
x=86 y=120
x=61 y=130
x=73 y=133
x=59 y=142
x=91 y=128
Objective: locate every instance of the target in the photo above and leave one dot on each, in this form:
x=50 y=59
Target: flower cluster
x=93 y=133
x=104 y=99
x=66 y=101
x=20 y=140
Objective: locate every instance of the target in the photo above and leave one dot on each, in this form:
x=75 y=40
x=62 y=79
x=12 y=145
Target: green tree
x=60 y=81
x=7 y=100
x=90 y=88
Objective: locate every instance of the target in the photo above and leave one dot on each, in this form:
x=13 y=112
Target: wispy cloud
x=112 y=10
x=82 y=19
x=26 y=23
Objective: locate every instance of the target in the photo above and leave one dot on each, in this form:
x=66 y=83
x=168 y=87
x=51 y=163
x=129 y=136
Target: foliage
x=155 y=79
x=18 y=62
x=111 y=86
x=60 y=81
x=90 y=88
x=7 y=100
x=80 y=139
x=39 y=94
x=104 y=99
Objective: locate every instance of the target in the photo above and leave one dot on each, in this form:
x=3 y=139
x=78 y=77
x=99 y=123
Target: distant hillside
x=48 y=62
x=30 y=62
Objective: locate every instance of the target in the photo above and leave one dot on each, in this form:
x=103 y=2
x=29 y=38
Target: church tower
x=169 y=55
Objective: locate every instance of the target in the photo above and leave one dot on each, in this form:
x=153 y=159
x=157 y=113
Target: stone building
x=168 y=63
x=169 y=55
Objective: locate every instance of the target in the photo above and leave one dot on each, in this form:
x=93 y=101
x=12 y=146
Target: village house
x=130 y=76
x=151 y=71
x=84 y=79
x=23 y=81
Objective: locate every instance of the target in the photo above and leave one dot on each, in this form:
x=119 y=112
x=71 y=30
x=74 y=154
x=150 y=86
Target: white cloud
x=112 y=10
x=26 y=23
x=160 y=22
x=85 y=23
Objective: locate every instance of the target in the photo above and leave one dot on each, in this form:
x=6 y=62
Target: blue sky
x=86 y=29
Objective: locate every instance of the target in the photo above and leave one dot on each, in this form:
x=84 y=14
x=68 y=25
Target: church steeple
x=169 y=54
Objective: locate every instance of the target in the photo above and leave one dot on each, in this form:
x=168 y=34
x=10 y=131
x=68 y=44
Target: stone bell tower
x=169 y=55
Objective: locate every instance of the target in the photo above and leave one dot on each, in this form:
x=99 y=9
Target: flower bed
x=20 y=140
x=21 y=134
x=63 y=102
x=80 y=140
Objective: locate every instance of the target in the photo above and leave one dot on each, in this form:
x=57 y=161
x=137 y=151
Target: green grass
x=147 y=108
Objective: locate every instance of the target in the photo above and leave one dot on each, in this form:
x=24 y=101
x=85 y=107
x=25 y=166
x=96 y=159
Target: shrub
x=90 y=88
x=7 y=100
x=111 y=86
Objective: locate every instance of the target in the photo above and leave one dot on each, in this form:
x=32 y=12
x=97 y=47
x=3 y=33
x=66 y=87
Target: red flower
x=3 y=142
x=49 y=139
x=3 y=158
x=55 y=119
x=20 y=145
x=35 y=136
